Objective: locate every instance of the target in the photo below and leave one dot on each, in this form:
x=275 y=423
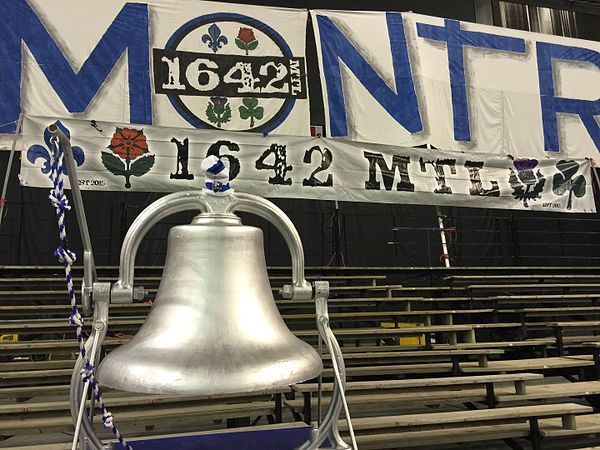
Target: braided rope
x=59 y=200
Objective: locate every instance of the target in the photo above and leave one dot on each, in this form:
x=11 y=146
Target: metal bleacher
x=435 y=358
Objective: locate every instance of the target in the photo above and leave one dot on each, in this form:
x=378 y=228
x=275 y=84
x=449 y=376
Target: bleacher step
x=466 y=417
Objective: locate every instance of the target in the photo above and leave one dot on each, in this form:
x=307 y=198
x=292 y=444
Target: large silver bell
x=214 y=327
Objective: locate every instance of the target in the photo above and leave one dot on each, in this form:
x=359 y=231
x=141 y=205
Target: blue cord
x=67 y=257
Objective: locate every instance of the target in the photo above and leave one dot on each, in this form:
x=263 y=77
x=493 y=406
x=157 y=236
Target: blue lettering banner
x=408 y=79
x=398 y=79
x=166 y=62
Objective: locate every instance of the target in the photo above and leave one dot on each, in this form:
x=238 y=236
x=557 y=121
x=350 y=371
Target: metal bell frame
x=99 y=295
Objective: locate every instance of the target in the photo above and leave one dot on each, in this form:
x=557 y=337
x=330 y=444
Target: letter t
x=456 y=39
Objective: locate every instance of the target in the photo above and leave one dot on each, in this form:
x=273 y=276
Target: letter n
x=400 y=102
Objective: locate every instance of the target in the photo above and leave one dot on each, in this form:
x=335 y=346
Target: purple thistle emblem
x=527 y=185
x=525 y=168
x=218 y=110
x=218 y=101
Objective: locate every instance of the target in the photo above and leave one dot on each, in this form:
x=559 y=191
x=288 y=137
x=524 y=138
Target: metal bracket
x=84 y=433
x=328 y=429
x=89 y=267
x=300 y=289
x=123 y=290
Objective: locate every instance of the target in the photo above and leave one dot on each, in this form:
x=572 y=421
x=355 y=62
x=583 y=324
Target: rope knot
x=87 y=371
x=76 y=319
x=65 y=255
x=59 y=200
x=107 y=420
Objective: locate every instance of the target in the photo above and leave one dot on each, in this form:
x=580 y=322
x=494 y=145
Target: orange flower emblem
x=130 y=156
x=128 y=143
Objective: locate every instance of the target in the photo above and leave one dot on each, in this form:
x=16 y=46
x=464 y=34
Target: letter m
x=128 y=32
x=399 y=163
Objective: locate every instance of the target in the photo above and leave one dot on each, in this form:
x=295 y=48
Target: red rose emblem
x=246 y=35
x=130 y=155
x=128 y=143
x=246 y=40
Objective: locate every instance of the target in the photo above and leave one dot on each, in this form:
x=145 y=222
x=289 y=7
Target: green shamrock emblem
x=251 y=110
x=565 y=181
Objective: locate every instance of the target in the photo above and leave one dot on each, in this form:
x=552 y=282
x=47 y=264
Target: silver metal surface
x=300 y=288
x=84 y=394
x=328 y=429
x=86 y=435
x=122 y=290
x=9 y=166
x=89 y=267
x=214 y=327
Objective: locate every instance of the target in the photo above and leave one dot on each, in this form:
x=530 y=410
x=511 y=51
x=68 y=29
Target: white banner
x=408 y=79
x=173 y=63
x=117 y=157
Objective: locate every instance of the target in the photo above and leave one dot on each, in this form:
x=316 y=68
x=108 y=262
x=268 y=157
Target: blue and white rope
x=67 y=257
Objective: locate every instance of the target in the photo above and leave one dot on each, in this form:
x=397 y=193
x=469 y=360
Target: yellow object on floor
x=409 y=340
x=9 y=337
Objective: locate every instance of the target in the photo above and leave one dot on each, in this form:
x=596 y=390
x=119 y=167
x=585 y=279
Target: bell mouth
x=122 y=370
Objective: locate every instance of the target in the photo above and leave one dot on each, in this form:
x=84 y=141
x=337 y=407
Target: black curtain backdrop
x=363 y=237
x=355 y=234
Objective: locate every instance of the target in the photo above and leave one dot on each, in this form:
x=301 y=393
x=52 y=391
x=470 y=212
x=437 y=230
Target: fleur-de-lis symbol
x=214 y=39
x=36 y=151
